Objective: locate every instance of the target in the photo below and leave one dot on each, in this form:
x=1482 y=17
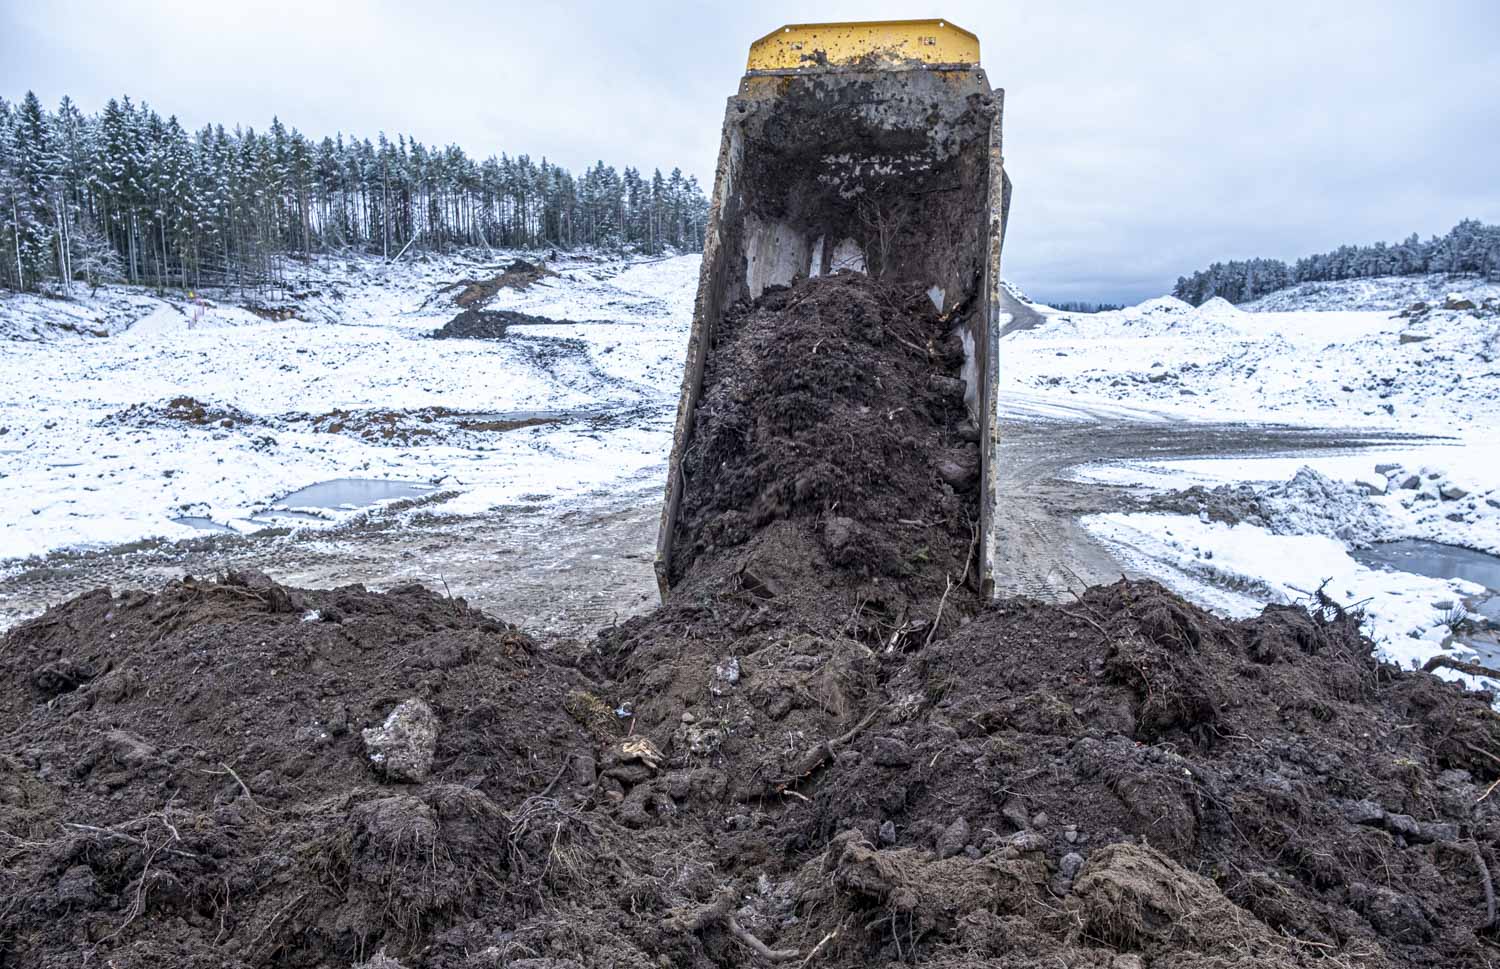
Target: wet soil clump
x=808 y=756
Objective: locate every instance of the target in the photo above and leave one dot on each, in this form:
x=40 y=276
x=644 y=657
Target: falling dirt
x=832 y=451
x=817 y=753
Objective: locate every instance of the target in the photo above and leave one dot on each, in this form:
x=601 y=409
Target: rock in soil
x=403 y=746
x=890 y=772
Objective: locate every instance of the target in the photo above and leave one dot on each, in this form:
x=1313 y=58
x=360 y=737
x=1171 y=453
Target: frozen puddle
x=349 y=493
x=1435 y=560
x=198 y=521
x=1446 y=562
x=321 y=502
x=340 y=494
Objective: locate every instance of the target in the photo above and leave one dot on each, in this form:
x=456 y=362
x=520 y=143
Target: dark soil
x=477 y=324
x=406 y=427
x=789 y=762
x=1228 y=503
x=833 y=456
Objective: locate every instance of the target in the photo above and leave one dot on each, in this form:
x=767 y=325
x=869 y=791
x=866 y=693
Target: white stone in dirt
x=402 y=748
x=726 y=675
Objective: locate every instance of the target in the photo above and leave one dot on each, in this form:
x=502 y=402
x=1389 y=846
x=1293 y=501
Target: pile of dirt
x=816 y=754
x=381 y=426
x=276 y=314
x=416 y=426
x=185 y=779
x=518 y=275
x=178 y=411
x=1310 y=503
x=478 y=324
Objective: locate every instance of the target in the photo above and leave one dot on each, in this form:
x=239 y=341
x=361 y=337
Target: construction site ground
x=569 y=568
x=827 y=749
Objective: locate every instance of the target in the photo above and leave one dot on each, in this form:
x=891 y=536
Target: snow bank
x=1377 y=293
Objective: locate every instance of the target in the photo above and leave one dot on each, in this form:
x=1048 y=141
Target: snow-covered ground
x=210 y=411
x=1278 y=528
x=1216 y=361
x=1380 y=293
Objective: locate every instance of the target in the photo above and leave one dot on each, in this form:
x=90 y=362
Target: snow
x=1325 y=368
x=1377 y=293
x=1432 y=510
x=77 y=471
x=90 y=456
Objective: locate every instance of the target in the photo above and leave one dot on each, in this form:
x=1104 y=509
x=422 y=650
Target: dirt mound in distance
x=477 y=324
x=180 y=411
x=818 y=753
x=518 y=275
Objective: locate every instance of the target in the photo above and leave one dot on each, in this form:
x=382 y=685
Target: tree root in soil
x=720 y=912
x=1448 y=662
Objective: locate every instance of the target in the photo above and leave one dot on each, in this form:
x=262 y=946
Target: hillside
x=1378 y=293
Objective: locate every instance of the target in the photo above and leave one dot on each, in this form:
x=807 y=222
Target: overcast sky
x=1145 y=139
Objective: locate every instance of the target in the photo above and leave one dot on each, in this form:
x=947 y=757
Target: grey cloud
x=1145 y=139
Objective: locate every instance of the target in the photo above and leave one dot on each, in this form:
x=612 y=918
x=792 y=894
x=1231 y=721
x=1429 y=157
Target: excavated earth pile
x=823 y=751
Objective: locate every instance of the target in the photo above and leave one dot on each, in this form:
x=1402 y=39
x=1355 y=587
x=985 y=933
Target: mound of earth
x=833 y=459
x=1310 y=503
x=180 y=410
x=518 y=275
x=817 y=753
x=478 y=324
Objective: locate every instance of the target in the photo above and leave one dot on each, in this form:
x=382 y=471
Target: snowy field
x=1275 y=528
x=211 y=413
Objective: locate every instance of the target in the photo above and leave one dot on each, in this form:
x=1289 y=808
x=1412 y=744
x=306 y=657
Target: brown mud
x=181 y=411
x=479 y=324
x=818 y=753
x=477 y=292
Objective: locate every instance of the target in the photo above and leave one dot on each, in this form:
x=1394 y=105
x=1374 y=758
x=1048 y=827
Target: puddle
x=198 y=521
x=340 y=494
x=345 y=493
x=1439 y=561
x=1434 y=560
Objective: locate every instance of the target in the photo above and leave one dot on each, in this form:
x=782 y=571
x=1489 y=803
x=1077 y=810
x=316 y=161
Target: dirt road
x=570 y=568
x=1044 y=551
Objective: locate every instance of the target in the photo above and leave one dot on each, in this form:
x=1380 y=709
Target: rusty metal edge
x=999 y=213
x=706 y=305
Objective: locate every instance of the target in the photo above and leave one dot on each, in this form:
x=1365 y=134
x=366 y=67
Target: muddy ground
x=568 y=569
x=820 y=752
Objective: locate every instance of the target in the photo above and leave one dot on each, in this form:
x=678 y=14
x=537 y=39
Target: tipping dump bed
x=887 y=162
